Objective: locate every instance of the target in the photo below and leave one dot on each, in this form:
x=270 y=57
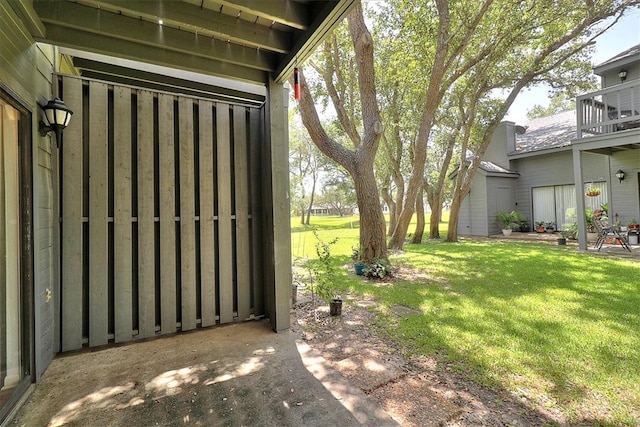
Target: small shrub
x=323 y=272
x=378 y=269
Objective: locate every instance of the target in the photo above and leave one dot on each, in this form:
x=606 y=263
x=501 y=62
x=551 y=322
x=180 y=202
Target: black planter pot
x=562 y=241
x=335 y=307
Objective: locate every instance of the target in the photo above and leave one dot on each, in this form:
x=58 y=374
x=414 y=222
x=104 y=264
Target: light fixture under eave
x=58 y=116
x=620 y=175
x=623 y=75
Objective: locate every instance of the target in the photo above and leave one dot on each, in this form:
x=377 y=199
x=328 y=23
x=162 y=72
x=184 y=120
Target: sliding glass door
x=14 y=365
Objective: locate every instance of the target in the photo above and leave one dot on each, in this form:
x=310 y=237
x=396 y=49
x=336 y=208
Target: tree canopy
x=443 y=77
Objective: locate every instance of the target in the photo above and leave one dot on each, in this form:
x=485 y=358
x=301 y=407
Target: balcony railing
x=609 y=110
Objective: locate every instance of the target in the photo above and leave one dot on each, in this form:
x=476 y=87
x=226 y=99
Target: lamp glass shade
x=57 y=113
x=622 y=74
x=620 y=174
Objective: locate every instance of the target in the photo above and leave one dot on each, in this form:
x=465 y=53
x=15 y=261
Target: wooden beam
x=113 y=29
x=201 y=20
x=81 y=40
x=285 y=12
x=162 y=82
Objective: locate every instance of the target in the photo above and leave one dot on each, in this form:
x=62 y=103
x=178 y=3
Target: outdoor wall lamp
x=620 y=175
x=58 y=116
x=623 y=75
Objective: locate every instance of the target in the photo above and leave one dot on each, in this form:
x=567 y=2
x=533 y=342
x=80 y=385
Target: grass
x=556 y=327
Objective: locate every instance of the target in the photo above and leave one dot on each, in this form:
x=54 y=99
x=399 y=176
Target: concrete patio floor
x=237 y=375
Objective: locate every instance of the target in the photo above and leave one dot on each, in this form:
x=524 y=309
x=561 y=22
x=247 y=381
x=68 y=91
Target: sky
x=623 y=35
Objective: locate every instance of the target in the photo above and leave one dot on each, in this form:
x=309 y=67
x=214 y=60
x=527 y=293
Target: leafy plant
x=588 y=217
x=323 y=271
x=507 y=220
x=355 y=254
x=378 y=269
x=570 y=230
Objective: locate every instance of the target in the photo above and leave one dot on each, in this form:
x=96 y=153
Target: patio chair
x=606 y=231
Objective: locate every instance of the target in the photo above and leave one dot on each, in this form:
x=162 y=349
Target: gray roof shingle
x=547 y=132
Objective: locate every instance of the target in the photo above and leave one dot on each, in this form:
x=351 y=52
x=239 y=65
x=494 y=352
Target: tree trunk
x=417 y=236
x=454 y=214
x=312 y=196
x=388 y=199
x=433 y=97
x=358 y=162
x=435 y=218
x=373 y=244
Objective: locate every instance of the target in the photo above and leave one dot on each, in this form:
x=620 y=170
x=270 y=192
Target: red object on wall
x=296 y=83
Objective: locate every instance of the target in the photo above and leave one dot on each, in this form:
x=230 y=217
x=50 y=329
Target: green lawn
x=554 y=326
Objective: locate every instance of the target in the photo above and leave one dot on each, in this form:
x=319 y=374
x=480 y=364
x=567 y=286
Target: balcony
x=609 y=110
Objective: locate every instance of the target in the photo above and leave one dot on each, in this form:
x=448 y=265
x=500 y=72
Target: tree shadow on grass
x=559 y=329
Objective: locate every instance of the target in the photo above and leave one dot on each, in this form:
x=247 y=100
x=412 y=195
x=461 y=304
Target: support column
x=278 y=148
x=579 y=184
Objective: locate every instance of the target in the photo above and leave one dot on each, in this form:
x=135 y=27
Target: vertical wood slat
x=71 y=209
x=123 y=318
x=146 y=222
x=146 y=218
x=225 y=261
x=257 y=228
x=243 y=272
x=98 y=193
x=187 y=215
x=167 y=216
x=207 y=230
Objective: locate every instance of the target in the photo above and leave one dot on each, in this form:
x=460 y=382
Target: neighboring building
x=539 y=169
x=165 y=207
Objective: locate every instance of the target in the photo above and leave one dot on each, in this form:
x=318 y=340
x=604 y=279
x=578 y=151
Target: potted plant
x=358 y=264
x=539 y=226
x=592 y=232
x=324 y=275
x=564 y=236
x=507 y=221
x=550 y=226
x=633 y=225
x=592 y=192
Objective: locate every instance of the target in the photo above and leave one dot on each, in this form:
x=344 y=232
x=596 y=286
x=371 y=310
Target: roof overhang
x=242 y=40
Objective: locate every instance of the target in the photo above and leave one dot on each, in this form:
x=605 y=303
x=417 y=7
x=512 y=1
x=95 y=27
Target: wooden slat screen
x=160 y=214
